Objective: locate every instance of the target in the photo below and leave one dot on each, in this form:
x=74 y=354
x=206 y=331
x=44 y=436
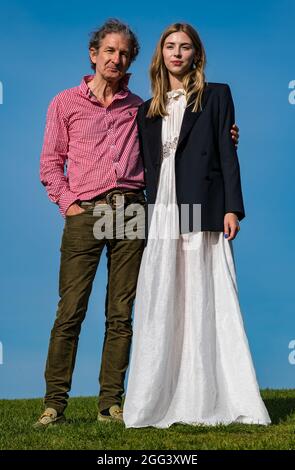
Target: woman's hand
x=235 y=134
x=231 y=226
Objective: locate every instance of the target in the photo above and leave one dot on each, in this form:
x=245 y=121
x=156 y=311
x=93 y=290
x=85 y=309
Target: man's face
x=112 y=58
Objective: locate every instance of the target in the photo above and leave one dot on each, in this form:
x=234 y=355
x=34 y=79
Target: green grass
x=82 y=431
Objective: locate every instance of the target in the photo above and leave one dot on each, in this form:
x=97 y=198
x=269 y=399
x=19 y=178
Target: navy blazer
x=206 y=164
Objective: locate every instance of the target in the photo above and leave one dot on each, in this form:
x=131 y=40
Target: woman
x=190 y=361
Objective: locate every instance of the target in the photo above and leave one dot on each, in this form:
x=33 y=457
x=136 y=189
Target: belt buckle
x=119 y=199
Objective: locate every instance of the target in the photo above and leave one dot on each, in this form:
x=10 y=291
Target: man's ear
x=93 y=54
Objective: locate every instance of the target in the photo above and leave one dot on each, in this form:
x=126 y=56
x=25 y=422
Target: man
x=92 y=130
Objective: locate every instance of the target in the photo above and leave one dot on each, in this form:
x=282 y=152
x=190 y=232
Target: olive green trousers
x=80 y=254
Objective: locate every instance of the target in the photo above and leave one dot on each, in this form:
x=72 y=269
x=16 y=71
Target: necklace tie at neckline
x=173 y=94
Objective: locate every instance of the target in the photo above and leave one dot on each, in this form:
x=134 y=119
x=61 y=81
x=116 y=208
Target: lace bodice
x=176 y=104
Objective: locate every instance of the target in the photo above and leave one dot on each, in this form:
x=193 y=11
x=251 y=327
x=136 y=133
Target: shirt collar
x=121 y=93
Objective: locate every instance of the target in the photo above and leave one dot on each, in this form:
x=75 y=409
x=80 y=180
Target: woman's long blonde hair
x=194 y=80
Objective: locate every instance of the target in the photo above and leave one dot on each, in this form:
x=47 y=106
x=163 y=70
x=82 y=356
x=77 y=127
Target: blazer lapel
x=190 y=117
x=154 y=130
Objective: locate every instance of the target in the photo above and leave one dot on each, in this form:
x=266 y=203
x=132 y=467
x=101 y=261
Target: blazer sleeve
x=228 y=155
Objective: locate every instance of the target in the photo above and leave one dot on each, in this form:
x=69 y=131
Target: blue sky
x=43 y=49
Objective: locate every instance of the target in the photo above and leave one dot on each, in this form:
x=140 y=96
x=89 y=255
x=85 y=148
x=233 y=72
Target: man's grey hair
x=114 y=26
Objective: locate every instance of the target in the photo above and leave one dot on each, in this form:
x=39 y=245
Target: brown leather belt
x=116 y=198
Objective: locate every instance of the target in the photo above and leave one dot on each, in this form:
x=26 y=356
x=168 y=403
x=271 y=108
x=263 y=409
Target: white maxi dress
x=190 y=360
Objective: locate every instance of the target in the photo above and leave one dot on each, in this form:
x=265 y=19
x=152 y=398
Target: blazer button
x=204 y=152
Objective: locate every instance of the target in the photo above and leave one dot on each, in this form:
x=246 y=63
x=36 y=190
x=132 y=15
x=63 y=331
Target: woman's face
x=178 y=53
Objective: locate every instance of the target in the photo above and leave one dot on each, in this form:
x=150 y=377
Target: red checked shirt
x=89 y=149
